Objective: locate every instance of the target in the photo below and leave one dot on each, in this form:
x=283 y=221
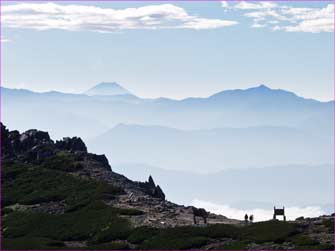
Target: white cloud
x=313 y=20
x=259 y=214
x=273 y=22
x=288 y=18
x=276 y=28
x=243 y=5
x=257 y=25
x=314 y=26
x=262 y=15
x=224 y=4
x=44 y=16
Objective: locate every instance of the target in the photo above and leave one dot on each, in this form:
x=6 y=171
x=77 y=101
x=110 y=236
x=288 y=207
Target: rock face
x=151 y=188
x=151 y=182
x=158 y=193
x=14 y=142
x=6 y=144
x=71 y=144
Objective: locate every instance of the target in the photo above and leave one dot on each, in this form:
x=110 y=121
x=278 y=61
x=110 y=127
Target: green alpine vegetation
x=58 y=196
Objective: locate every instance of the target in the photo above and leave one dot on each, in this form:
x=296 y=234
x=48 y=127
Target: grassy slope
x=88 y=219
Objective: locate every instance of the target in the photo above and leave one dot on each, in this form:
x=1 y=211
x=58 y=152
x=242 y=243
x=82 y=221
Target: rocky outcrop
x=158 y=193
x=30 y=145
x=101 y=158
x=71 y=144
x=6 y=148
x=33 y=137
x=150 y=188
x=151 y=182
x=34 y=146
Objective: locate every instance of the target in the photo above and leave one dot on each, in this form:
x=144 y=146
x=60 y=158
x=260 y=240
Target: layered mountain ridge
x=114 y=89
x=257 y=106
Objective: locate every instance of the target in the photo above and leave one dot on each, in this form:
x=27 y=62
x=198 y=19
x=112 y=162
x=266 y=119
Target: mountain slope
x=56 y=195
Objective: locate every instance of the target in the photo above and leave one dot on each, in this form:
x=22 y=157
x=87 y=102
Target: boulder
x=32 y=138
x=150 y=188
x=73 y=144
x=13 y=143
x=36 y=135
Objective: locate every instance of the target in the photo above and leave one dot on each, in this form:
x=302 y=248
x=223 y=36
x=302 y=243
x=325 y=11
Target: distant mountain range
x=93 y=115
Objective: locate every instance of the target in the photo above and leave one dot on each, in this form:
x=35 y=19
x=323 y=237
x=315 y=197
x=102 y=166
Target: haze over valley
x=245 y=149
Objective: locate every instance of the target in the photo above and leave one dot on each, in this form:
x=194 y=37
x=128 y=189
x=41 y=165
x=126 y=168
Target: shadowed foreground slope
x=56 y=195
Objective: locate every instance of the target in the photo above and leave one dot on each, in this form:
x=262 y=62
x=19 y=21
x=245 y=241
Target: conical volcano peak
x=107 y=88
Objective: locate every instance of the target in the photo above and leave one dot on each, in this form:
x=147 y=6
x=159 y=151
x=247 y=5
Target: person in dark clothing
x=251 y=218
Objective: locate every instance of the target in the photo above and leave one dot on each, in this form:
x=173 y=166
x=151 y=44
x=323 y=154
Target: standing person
x=251 y=218
x=246 y=218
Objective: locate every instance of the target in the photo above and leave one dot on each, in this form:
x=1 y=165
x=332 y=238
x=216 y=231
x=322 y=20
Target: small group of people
x=248 y=218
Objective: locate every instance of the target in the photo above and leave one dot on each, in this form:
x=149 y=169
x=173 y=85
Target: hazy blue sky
x=169 y=49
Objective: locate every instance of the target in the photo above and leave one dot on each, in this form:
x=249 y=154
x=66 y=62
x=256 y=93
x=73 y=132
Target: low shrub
x=141 y=234
x=62 y=161
x=109 y=246
x=303 y=240
x=31 y=244
x=235 y=245
x=99 y=225
x=269 y=231
x=163 y=243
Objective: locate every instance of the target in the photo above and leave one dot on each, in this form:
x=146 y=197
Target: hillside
x=56 y=195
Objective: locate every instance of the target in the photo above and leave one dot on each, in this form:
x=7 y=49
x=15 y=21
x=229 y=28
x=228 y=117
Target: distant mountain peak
x=256 y=92
x=262 y=86
x=107 y=89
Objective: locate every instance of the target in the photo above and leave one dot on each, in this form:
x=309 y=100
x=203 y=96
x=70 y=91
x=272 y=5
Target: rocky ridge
x=35 y=147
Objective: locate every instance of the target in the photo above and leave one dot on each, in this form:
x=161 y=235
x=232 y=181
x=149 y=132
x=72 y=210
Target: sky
x=169 y=49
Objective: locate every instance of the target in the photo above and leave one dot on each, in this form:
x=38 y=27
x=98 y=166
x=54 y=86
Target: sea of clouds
x=259 y=214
